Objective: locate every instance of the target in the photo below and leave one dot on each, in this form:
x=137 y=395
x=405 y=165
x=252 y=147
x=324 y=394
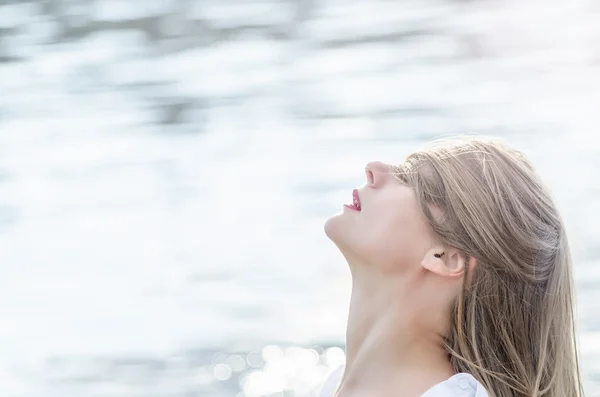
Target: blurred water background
x=166 y=168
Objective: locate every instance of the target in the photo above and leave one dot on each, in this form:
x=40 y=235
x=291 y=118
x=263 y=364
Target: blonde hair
x=513 y=324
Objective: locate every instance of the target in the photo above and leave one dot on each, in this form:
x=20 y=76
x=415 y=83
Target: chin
x=334 y=228
x=329 y=227
x=337 y=231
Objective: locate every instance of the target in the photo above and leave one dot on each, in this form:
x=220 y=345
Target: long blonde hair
x=513 y=325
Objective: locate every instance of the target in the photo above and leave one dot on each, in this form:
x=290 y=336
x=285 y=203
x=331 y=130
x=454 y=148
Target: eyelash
x=399 y=174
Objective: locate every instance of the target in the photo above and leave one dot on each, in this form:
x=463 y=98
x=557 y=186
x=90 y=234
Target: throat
x=386 y=351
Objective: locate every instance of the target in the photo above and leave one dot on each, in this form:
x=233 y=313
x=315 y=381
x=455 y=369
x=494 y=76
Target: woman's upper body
x=458 y=385
x=460 y=264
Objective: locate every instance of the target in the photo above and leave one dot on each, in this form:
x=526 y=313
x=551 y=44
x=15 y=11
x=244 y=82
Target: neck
x=388 y=347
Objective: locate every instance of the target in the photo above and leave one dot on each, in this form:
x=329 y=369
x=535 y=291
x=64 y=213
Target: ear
x=446 y=262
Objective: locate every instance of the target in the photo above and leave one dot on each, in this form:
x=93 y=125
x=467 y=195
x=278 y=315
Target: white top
x=459 y=385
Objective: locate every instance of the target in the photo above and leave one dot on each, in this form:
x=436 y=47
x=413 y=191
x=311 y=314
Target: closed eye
x=399 y=174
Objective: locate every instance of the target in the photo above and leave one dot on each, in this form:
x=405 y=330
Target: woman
x=462 y=279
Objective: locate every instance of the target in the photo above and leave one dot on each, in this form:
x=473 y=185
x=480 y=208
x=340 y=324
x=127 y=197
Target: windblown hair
x=513 y=324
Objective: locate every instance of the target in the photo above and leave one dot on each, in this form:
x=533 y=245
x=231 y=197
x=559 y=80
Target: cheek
x=393 y=241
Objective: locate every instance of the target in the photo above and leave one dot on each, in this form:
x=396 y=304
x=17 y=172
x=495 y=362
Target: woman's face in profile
x=382 y=225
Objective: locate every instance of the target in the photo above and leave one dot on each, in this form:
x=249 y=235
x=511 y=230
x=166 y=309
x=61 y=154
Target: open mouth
x=355 y=201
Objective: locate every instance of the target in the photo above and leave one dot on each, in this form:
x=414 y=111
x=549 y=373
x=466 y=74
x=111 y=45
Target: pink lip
x=355 y=202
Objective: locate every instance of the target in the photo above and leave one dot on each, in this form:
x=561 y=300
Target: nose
x=377 y=173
